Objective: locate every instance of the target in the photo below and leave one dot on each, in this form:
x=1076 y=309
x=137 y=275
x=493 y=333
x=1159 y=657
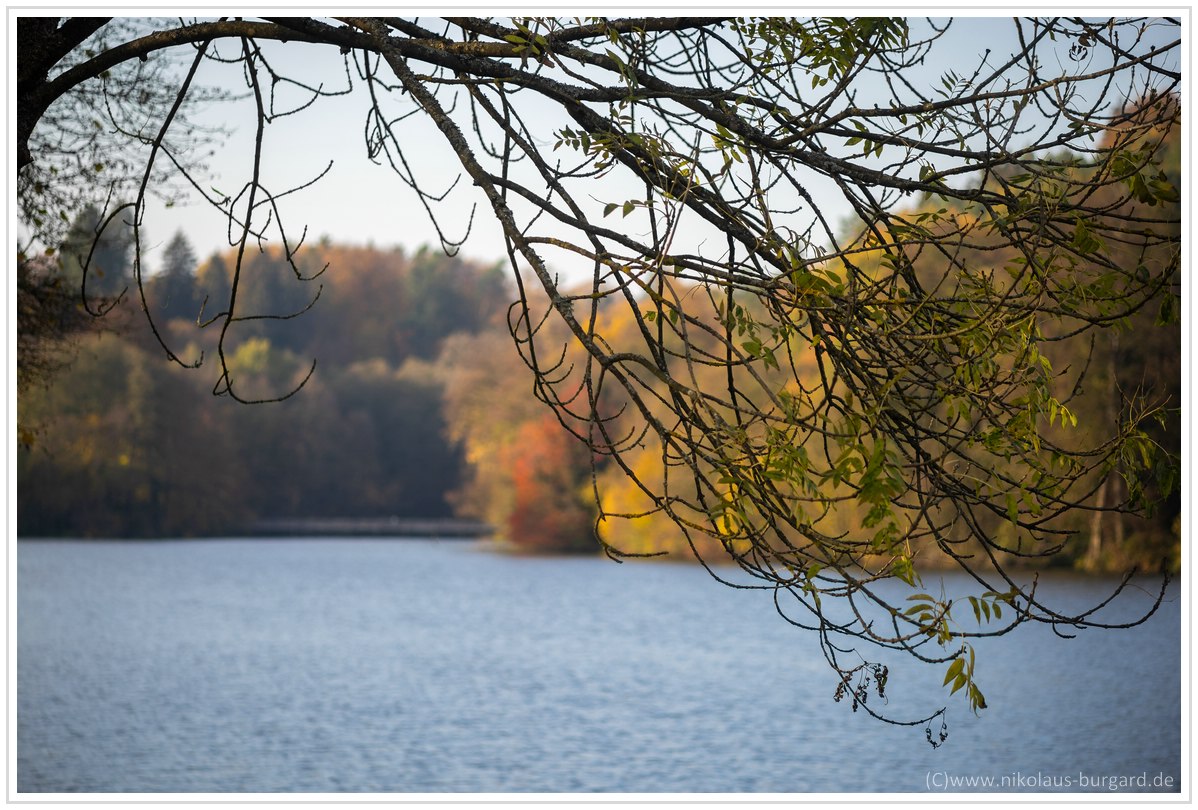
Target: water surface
x=412 y=666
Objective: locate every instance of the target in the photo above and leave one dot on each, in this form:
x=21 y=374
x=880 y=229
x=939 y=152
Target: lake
x=380 y=666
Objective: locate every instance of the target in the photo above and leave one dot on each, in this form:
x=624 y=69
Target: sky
x=359 y=202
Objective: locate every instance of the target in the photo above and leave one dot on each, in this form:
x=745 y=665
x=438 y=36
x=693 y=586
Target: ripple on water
x=382 y=666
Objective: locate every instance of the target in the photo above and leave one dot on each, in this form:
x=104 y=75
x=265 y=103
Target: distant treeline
x=419 y=407
x=124 y=443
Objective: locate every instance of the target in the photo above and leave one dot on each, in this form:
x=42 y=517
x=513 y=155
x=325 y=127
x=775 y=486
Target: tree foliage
x=122 y=445
x=701 y=168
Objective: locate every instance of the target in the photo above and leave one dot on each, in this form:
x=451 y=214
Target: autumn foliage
x=552 y=508
x=422 y=407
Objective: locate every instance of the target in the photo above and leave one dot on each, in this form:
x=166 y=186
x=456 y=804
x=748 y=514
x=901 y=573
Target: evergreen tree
x=174 y=292
x=97 y=254
x=213 y=287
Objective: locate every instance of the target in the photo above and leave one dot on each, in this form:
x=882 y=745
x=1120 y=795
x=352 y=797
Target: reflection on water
x=411 y=666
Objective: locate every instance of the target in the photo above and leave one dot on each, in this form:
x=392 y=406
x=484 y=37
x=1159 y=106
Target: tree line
x=120 y=443
x=420 y=408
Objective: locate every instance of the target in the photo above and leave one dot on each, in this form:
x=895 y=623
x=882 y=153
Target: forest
x=416 y=404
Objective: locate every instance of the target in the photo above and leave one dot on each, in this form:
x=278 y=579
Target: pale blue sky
x=359 y=202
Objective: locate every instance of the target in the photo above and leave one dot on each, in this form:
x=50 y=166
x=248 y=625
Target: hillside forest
x=415 y=404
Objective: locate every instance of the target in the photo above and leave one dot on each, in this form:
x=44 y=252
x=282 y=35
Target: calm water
x=411 y=666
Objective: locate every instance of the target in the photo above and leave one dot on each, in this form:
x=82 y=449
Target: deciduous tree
x=989 y=213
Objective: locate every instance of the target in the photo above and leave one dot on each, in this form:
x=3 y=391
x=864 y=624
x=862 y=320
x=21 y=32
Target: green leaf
x=954 y=670
x=1165 y=191
x=904 y=569
x=1168 y=313
x=1084 y=240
